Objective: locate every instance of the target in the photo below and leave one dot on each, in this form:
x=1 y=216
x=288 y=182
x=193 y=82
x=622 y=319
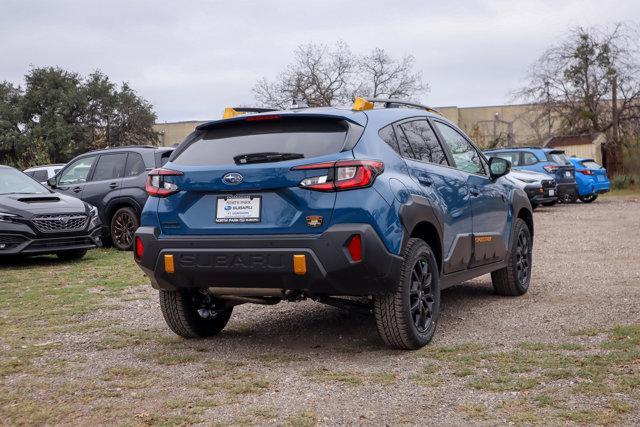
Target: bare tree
x=322 y=76
x=383 y=76
x=319 y=76
x=591 y=82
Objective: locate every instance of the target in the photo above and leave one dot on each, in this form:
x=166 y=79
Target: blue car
x=591 y=178
x=544 y=160
x=390 y=204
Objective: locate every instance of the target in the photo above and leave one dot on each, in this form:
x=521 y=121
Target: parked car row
x=94 y=199
x=560 y=178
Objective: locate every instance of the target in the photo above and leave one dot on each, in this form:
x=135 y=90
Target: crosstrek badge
x=314 y=221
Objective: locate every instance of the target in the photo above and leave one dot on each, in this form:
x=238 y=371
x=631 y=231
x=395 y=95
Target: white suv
x=43 y=173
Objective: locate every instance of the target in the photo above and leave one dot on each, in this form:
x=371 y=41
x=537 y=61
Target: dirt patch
x=84 y=342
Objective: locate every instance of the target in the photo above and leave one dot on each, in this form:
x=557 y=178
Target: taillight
x=139 y=247
x=158 y=186
x=355 y=247
x=342 y=175
x=585 y=171
x=551 y=168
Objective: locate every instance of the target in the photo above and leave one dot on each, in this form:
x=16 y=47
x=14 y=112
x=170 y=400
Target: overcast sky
x=193 y=58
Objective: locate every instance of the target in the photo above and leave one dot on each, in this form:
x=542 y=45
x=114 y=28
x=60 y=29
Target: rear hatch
x=237 y=177
x=561 y=169
x=593 y=169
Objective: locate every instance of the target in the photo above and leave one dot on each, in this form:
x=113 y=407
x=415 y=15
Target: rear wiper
x=243 y=159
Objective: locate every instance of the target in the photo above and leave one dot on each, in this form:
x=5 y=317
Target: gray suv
x=113 y=180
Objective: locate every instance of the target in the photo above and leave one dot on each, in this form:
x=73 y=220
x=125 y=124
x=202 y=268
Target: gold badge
x=314 y=221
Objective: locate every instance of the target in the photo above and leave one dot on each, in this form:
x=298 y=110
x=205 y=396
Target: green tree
x=60 y=114
x=591 y=83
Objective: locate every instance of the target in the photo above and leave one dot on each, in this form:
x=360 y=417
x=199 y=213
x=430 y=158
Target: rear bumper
x=26 y=244
x=567 y=189
x=266 y=261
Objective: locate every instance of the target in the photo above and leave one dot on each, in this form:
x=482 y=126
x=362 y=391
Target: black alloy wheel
x=123 y=225
x=523 y=258
x=421 y=296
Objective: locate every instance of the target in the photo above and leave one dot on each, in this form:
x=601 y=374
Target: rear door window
x=529 y=159
x=423 y=142
x=295 y=137
x=135 y=165
x=109 y=166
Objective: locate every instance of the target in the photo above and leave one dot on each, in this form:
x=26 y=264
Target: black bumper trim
x=55 y=243
x=266 y=261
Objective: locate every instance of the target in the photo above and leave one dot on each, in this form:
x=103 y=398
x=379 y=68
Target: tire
x=72 y=254
x=182 y=313
x=124 y=223
x=514 y=279
x=534 y=206
x=550 y=203
x=588 y=199
x=407 y=317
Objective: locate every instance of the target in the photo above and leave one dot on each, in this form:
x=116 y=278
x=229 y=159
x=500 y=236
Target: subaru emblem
x=232 y=178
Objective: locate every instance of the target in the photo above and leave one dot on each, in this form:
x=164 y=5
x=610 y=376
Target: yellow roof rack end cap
x=230 y=113
x=360 y=104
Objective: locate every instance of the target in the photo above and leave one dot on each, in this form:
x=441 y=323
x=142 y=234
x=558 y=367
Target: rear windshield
x=306 y=137
x=558 y=157
x=590 y=164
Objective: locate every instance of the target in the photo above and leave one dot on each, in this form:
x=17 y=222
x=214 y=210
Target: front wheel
x=193 y=314
x=124 y=224
x=514 y=279
x=406 y=318
x=588 y=199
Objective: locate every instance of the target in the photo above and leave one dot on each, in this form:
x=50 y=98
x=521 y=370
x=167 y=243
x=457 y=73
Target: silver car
x=540 y=187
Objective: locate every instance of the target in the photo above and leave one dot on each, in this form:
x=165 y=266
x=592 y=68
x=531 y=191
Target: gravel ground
x=305 y=363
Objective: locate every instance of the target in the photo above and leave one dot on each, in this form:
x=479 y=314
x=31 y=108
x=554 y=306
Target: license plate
x=238 y=209
x=601 y=178
x=552 y=192
x=567 y=174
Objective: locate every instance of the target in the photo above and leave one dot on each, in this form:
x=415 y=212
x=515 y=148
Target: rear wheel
x=588 y=199
x=514 y=279
x=72 y=254
x=406 y=318
x=123 y=224
x=193 y=314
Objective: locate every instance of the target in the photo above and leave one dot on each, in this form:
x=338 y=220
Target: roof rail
x=367 y=104
x=115 y=147
x=231 y=112
x=515 y=147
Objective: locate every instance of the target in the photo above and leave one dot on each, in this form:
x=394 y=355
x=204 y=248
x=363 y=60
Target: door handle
x=113 y=185
x=77 y=189
x=474 y=191
x=425 y=180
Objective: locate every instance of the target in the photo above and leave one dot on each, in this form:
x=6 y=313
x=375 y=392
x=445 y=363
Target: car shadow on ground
x=313 y=328
x=21 y=261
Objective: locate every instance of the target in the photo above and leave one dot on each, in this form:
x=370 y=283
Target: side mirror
x=499 y=167
x=51 y=182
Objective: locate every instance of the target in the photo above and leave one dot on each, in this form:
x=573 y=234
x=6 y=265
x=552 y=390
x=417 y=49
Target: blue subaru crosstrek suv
x=390 y=204
x=591 y=178
x=544 y=160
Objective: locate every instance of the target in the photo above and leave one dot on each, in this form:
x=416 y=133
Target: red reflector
x=139 y=247
x=355 y=247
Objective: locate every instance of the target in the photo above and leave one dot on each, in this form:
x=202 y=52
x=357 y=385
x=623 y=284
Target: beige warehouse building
x=522 y=124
